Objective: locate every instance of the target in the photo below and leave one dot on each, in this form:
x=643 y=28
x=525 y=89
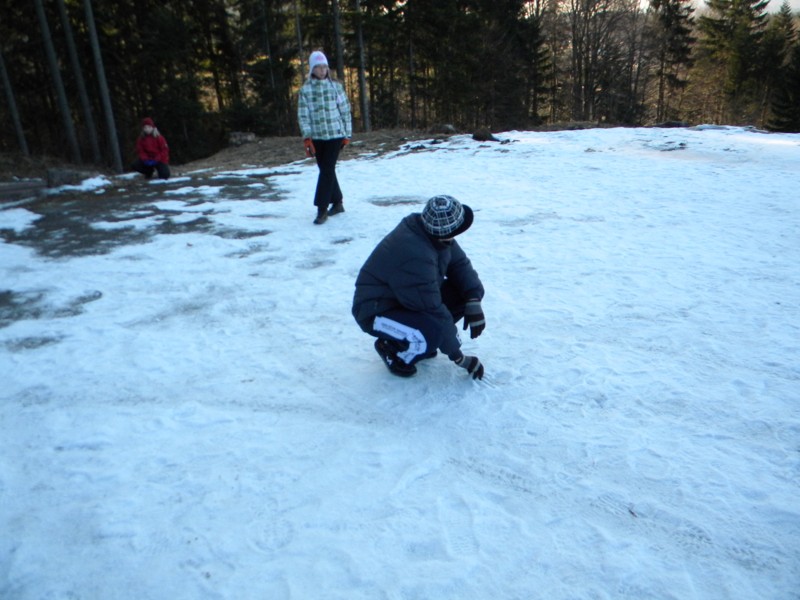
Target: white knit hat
x=446 y=217
x=317 y=58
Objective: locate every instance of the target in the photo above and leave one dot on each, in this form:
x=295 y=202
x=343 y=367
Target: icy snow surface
x=188 y=410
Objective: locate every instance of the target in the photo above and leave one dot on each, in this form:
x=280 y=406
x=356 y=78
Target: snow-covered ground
x=188 y=410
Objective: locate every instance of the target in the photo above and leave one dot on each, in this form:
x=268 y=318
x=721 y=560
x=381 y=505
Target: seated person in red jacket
x=153 y=151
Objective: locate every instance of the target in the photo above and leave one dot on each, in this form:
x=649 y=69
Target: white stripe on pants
x=416 y=341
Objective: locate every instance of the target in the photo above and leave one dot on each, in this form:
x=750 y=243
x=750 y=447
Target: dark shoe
x=336 y=209
x=387 y=350
x=322 y=216
x=427 y=355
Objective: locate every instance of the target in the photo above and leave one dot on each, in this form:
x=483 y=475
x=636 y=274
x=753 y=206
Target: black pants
x=147 y=170
x=328 y=191
x=420 y=331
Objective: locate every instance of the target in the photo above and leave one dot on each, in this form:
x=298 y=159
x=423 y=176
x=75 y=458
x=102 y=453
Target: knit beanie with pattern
x=445 y=217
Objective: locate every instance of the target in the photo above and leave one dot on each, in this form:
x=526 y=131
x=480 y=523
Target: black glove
x=472 y=365
x=473 y=318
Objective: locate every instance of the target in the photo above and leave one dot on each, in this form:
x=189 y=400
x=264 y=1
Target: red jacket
x=153 y=147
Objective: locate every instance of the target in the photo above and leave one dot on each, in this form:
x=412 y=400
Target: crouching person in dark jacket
x=416 y=285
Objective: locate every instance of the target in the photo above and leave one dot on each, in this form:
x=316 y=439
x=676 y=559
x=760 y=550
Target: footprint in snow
x=456 y=520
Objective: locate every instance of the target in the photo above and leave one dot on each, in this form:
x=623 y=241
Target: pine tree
x=732 y=34
x=538 y=66
x=776 y=53
x=786 y=101
x=674 y=40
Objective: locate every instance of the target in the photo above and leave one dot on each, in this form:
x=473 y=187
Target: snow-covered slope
x=188 y=410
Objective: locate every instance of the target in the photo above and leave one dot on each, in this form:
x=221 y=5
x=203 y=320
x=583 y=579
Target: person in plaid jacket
x=323 y=112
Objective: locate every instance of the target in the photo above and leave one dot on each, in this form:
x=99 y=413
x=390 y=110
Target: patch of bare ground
x=276 y=151
x=16 y=166
x=262 y=152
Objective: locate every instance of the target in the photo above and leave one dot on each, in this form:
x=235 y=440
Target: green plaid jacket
x=323 y=110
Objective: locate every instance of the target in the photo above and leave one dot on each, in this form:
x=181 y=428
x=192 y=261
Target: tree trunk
x=105 y=97
x=300 y=52
x=12 y=107
x=410 y=18
x=58 y=83
x=84 y=97
x=661 y=107
x=337 y=31
x=362 y=82
x=267 y=46
x=271 y=63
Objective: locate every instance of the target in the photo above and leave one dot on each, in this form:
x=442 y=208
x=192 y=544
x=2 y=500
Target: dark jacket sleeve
x=462 y=275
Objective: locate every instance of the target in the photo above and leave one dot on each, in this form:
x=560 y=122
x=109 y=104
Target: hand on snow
x=472 y=365
x=473 y=318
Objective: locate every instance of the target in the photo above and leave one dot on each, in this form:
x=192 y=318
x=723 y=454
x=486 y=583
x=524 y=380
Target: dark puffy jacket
x=406 y=270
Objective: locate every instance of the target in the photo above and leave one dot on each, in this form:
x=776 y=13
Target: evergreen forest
x=77 y=76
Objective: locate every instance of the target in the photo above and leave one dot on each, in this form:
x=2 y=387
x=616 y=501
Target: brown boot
x=336 y=209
